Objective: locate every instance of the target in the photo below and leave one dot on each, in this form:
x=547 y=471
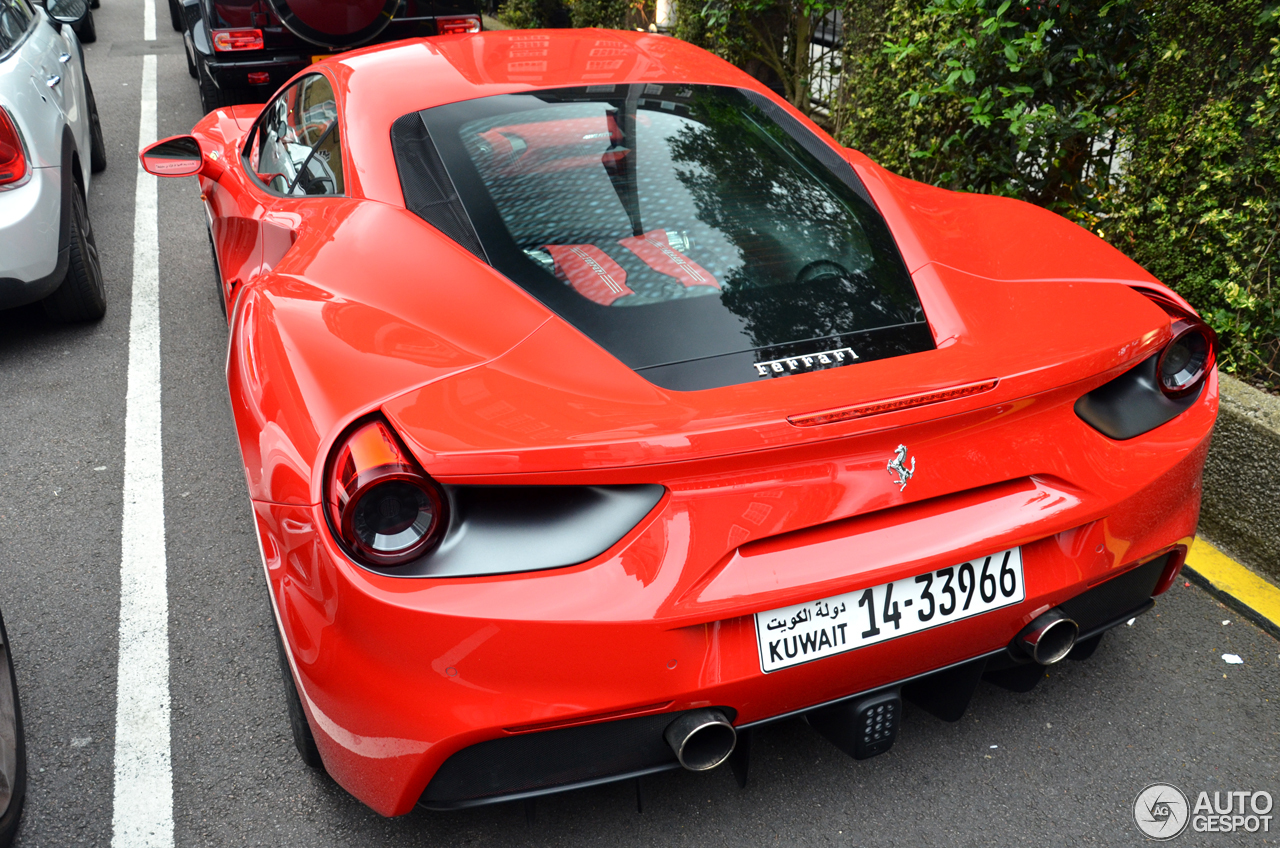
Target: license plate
x=810 y=631
x=322 y=57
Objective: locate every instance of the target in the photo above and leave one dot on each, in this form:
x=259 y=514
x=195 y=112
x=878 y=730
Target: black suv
x=241 y=51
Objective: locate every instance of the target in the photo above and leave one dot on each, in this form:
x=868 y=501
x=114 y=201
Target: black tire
x=191 y=66
x=82 y=295
x=93 y=4
x=86 y=30
x=175 y=15
x=302 y=738
x=12 y=814
x=210 y=94
x=97 y=144
x=212 y=97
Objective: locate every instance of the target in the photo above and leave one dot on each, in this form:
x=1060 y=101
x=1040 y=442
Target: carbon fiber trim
x=572 y=756
x=1108 y=601
x=428 y=190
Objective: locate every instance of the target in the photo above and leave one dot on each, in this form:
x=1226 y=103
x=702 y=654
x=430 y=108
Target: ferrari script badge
x=807 y=362
x=898 y=466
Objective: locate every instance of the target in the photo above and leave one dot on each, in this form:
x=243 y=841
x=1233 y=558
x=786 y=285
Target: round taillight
x=385 y=509
x=13 y=160
x=1186 y=359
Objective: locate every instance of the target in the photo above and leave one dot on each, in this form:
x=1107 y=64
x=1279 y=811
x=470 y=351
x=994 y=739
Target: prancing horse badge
x=897 y=465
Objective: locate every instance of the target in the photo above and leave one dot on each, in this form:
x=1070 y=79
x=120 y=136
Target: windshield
x=681 y=228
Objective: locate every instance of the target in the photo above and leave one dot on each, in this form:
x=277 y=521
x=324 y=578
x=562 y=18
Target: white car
x=50 y=144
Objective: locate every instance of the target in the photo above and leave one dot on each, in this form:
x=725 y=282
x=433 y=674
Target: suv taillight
x=384 y=509
x=458 y=25
x=228 y=40
x=13 y=158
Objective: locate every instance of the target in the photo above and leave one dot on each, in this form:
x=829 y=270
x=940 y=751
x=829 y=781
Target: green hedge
x=1154 y=124
x=1201 y=202
x=610 y=14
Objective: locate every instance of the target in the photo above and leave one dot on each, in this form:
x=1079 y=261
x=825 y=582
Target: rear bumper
x=527 y=765
x=30 y=238
x=401 y=676
x=234 y=73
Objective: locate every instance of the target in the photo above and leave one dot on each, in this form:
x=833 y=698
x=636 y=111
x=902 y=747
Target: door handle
x=64 y=58
x=53 y=80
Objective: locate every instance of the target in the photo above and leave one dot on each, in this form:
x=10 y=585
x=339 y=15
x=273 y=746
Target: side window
x=15 y=18
x=295 y=149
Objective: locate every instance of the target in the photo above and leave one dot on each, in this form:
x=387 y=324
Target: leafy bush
x=880 y=120
x=1024 y=93
x=1201 y=201
x=767 y=38
x=1155 y=124
x=533 y=14
x=609 y=14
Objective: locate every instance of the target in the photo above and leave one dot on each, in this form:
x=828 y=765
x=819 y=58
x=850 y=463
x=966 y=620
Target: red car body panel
x=341 y=307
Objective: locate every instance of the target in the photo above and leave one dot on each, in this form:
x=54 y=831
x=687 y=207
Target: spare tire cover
x=335 y=23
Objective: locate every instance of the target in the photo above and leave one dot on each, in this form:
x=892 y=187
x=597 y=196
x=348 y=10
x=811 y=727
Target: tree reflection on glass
x=808 y=264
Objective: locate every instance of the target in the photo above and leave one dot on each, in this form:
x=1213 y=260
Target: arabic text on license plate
x=810 y=631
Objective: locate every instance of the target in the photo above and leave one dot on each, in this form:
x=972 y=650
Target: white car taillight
x=14 y=169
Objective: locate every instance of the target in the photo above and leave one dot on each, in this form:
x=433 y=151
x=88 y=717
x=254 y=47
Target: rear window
x=681 y=227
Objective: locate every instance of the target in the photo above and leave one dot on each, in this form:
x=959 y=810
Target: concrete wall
x=1241 y=511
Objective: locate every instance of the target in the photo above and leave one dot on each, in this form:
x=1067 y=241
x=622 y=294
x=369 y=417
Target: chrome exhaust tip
x=701 y=739
x=1049 y=638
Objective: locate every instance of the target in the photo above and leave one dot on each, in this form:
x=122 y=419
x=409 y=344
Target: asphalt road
x=1060 y=765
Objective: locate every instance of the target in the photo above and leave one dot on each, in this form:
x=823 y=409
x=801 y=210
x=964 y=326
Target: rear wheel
x=82 y=295
x=191 y=65
x=97 y=144
x=86 y=30
x=212 y=97
x=302 y=738
x=13 y=749
x=175 y=15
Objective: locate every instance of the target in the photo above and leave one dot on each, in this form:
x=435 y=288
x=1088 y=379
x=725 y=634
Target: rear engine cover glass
x=681 y=227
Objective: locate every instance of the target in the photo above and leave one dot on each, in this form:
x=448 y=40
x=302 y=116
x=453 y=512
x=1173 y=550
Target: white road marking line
x=143 y=815
x=148 y=20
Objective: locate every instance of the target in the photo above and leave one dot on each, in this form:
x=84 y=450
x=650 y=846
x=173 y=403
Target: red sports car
x=596 y=408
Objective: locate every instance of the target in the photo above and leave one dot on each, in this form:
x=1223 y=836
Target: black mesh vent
x=837 y=164
x=428 y=191
x=534 y=761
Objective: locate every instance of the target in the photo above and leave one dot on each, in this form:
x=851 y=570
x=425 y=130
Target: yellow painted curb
x=1234 y=580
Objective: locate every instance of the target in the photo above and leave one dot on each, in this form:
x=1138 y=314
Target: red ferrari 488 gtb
x=596 y=407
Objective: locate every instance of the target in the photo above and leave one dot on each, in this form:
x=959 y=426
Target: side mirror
x=178 y=156
x=67 y=11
